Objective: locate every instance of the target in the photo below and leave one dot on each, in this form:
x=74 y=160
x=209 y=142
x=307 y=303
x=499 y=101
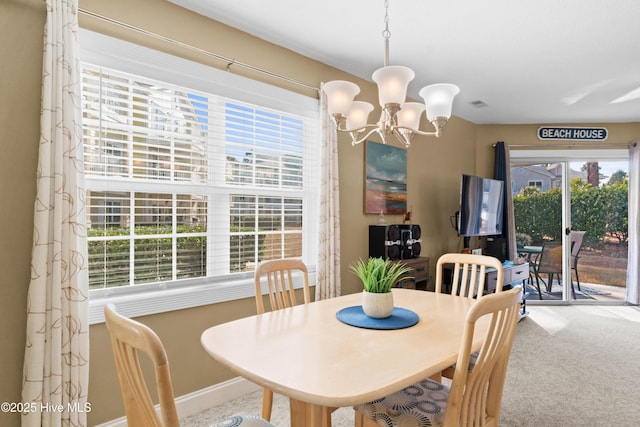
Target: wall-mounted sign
x=572 y=134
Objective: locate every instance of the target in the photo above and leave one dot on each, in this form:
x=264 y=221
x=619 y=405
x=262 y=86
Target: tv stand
x=513 y=275
x=418 y=277
x=466 y=240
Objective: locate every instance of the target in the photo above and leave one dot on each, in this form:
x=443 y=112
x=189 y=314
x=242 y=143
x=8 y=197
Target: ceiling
x=527 y=61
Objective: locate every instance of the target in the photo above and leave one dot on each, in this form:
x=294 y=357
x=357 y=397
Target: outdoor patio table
x=529 y=252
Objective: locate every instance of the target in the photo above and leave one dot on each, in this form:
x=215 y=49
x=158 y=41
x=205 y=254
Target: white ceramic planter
x=377 y=306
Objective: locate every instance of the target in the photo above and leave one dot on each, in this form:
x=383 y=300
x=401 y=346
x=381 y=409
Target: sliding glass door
x=571 y=223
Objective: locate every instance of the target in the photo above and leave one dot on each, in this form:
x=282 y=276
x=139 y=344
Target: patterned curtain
x=328 y=282
x=633 y=272
x=56 y=362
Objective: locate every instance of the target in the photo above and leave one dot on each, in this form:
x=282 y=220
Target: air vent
x=479 y=104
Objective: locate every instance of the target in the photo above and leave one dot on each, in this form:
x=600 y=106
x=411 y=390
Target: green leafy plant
x=600 y=211
x=378 y=275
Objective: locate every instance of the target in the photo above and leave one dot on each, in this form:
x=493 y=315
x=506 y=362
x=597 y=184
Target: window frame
x=153 y=298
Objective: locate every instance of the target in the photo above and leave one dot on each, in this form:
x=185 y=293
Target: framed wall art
x=385 y=179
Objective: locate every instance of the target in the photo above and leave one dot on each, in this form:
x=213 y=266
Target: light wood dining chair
x=475 y=396
x=130 y=338
x=468 y=272
x=278 y=275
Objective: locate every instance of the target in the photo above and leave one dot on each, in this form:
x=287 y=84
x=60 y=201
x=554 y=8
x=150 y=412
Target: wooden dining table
x=320 y=363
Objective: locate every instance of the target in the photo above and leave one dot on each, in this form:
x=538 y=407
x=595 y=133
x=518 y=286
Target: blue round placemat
x=400 y=318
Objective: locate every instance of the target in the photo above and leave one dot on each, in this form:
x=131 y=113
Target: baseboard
x=205 y=398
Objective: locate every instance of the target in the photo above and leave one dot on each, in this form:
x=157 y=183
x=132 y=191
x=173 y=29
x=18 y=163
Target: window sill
x=142 y=300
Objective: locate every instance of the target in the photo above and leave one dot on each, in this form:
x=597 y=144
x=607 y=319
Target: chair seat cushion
x=473 y=357
x=421 y=404
x=244 y=421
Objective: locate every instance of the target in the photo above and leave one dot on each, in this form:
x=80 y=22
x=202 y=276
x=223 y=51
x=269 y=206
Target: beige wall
x=21 y=30
x=434 y=167
x=620 y=134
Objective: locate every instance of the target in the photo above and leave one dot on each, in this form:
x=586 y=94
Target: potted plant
x=378 y=277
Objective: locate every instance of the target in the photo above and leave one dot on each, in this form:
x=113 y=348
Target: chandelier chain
x=386 y=33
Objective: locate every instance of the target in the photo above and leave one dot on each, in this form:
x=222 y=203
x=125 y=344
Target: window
x=187 y=187
x=536 y=184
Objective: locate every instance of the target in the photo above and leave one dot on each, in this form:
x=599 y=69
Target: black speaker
x=385 y=242
x=410 y=236
x=497 y=247
x=397 y=241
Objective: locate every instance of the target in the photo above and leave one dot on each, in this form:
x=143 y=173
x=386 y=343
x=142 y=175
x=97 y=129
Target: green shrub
x=109 y=260
x=599 y=211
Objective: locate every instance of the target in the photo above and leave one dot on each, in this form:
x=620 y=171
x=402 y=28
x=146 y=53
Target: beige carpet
x=570 y=366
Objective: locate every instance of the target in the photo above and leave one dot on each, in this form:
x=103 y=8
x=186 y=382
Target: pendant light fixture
x=399 y=118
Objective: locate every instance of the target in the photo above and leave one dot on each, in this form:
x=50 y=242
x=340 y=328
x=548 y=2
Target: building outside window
x=536 y=184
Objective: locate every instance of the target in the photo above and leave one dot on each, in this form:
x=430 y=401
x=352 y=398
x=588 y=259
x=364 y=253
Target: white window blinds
x=186 y=184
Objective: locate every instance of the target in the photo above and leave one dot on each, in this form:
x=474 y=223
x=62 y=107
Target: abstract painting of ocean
x=386 y=179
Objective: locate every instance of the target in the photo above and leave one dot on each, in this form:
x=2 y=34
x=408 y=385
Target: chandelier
x=398 y=118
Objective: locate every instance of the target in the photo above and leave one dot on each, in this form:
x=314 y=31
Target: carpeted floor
x=574 y=366
x=570 y=366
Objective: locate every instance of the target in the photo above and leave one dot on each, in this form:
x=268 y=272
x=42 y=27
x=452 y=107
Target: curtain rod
x=230 y=61
x=569 y=145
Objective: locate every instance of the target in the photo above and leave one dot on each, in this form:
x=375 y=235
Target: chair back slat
x=279 y=277
x=469 y=273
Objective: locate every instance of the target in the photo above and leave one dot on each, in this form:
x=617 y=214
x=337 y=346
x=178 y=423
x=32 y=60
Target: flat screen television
x=481 y=204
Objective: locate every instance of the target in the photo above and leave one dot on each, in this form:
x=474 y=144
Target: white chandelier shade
x=340 y=96
x=438 y=99
x=409 y=114
x=358 y=114
x=393 y=81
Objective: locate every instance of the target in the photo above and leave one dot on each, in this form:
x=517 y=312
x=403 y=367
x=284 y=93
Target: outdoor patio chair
x=550 y=262
x=576 y=244
x=534 y=276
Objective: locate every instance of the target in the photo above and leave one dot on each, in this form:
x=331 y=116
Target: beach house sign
x=572 y=133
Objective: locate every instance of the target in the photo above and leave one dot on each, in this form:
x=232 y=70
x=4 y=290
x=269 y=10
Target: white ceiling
x=530 y=61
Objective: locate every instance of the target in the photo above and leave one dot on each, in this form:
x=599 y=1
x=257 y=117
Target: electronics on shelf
x=395 y=241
